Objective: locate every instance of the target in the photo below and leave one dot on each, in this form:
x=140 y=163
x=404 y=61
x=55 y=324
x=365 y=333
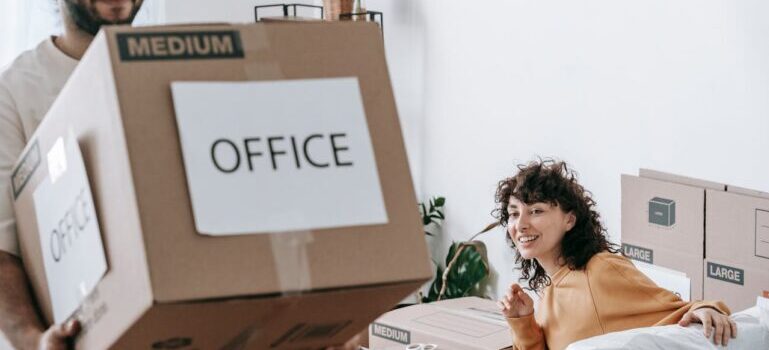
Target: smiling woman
x=586 y=289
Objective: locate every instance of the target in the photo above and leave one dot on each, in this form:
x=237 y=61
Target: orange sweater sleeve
x=527 y=334
x=625 y=298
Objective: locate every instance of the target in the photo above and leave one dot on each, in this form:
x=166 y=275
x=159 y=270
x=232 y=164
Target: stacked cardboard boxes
x=715 y=234
x=663 y=218
x=266 y=205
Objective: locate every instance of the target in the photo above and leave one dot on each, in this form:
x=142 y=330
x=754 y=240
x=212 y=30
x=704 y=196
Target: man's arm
x=18 y=317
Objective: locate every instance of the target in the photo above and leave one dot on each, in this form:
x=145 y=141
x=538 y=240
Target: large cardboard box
x=735 y=284
x=737 y=246
x=663 y=218
x=738 y=227
x=172 y=281
x=465 y=323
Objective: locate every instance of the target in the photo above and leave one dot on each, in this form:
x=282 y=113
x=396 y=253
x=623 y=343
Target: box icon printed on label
x=662 y=211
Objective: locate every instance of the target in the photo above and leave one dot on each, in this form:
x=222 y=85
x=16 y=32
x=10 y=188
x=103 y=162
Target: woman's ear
x=571 y=220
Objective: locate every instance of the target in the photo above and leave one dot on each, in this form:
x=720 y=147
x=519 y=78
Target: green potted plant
x=466 y=262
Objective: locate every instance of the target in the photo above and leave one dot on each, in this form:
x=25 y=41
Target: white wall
x=609 y=86
x=23 y=24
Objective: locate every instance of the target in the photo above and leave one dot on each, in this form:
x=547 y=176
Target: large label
x=726 y=273
x=638 y=253
x=70 y=239
x=276 y=156
x=391 y=333
x=179 y=45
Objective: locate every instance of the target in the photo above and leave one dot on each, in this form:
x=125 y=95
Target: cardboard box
x=738 y=228
x=663 y=218
x=735 y=284
x=465 y=323
x=169 y=283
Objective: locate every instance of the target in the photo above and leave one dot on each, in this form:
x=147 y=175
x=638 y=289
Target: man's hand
x=516 y=303
x=710 y=318
x=59 y=336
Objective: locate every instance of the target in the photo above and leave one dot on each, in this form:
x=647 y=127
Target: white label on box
x=276 y=156
x=675 y=281
x=70 y=239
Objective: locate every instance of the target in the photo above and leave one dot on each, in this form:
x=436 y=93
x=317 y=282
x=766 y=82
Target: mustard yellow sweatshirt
x=609 y=295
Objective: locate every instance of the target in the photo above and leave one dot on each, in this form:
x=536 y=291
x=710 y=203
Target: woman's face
x=537 y=229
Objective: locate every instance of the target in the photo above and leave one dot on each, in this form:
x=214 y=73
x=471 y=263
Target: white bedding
x=752 y=334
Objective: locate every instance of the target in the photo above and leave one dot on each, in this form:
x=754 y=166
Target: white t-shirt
x=28 y=87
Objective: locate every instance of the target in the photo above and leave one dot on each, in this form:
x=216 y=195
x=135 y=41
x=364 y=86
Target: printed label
x=726 y=273
x=179 y=45
x=303 y=161
x=391 y=333
x=70 y=238
x=638 y=253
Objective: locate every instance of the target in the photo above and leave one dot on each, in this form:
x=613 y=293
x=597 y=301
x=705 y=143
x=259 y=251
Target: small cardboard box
x=170 y=283
x=737 y=224
x=735 y=284
x=663 y=218
x=464 y=323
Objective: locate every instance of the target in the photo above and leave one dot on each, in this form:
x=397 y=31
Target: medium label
x=391 y=333
x=179 y=45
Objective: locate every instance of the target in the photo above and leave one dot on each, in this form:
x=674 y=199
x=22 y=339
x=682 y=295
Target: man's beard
x=88 y=19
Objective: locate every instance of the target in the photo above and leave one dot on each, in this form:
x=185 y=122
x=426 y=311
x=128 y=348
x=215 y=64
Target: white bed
x=752 y=334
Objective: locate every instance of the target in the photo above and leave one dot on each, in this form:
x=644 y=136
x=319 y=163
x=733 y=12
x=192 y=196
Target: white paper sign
x=277 y=156
x=675 y=281
x=73 y=254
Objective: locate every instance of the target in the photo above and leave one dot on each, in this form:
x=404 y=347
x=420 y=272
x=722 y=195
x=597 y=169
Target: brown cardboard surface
x=686 y=234
x=465 y=323
x=684 y=180
x=735 y=284
x=126 y=286
x=262 y=323
x=738 y=229
x=122 y=116
x=156 y=162
x=672 y=258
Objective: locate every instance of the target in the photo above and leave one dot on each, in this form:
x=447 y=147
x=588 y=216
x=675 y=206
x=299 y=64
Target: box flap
x=747 y=191
x=659 y=175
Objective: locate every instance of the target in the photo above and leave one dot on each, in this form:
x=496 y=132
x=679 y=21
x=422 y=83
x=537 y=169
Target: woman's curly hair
x=552 y=182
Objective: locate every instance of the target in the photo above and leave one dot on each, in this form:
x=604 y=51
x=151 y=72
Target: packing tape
x=289 y=248
x=260 y=58
x=292 y=264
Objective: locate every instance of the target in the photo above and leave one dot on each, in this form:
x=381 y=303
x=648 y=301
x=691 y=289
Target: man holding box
x=28 y=87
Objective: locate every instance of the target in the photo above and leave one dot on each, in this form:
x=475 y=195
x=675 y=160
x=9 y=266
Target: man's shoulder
x=25 y=65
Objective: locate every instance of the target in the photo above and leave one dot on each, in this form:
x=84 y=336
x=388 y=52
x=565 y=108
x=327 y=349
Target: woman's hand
x=710 y=318
x=516 y=303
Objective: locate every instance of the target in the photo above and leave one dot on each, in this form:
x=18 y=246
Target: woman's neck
x=551 y=265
